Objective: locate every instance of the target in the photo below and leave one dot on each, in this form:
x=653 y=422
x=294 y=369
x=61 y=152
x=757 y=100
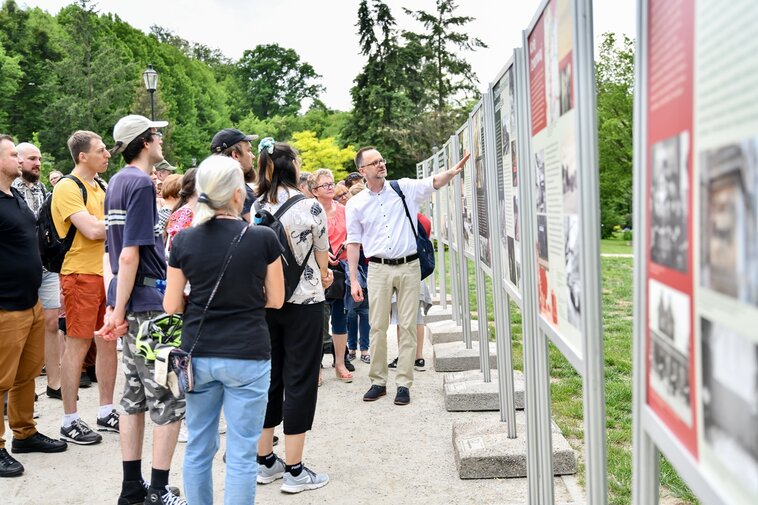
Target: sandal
x=351 y=355
x=366 y=358
x=345 y=376
x=320 y=378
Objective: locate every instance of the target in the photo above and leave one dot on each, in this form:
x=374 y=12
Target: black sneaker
x=403 y=396
x=163 y=497
x=109 y=422
x=9 y=466
x=38 y=443
x=419 y=365
x=133 y=492
x=91 y=373
x=393 y=365
x=350 y=367
x=80 y=433
x=54 y=393
x=85 y=381
x=374 y=393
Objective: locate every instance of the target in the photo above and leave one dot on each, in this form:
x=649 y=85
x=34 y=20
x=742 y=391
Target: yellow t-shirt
x=85 y=255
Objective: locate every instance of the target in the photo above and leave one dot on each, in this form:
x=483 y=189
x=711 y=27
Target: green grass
x=615 y=246
x=566 y=388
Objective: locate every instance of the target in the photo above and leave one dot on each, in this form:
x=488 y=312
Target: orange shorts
x=84 y=299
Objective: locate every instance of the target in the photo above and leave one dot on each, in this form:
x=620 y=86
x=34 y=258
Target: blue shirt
x=131 y=219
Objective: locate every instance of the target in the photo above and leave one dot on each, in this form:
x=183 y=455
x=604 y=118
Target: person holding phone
x=321 y=184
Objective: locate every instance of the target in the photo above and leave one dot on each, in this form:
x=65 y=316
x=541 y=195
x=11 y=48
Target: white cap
x=130 y=127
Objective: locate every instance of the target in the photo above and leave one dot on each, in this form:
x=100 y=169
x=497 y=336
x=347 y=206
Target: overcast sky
x=324 y=33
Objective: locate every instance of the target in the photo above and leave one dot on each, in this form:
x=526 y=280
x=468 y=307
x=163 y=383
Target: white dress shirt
x=378 y=220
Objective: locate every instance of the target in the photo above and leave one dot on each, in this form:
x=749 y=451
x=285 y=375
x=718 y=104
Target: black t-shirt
x=235 y=324
x=20 y=263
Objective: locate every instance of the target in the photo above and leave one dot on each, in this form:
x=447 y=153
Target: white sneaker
x=306 y=481
x=183 y=433
x=120 y=344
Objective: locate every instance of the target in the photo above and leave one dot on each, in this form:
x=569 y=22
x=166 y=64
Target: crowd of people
x=152 y=242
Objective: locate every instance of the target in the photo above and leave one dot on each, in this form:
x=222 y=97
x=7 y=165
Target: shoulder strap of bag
x=396 y=187
x=228 y=259
x=72 y=229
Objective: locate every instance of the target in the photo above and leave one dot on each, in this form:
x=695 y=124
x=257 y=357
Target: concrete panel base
x=436 y=313
x=467 y=391
x=443 y=332
x=454 y=357
x=484 y=451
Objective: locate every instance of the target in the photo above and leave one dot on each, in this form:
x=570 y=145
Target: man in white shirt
x=377 y=221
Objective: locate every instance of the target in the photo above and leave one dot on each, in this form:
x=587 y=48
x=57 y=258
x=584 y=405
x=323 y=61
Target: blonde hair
x=171 y=187
x=217 y=179
x=315 y=176
x=355 y=189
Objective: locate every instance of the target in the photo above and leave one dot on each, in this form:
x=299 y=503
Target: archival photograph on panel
x=514 y=262
x=669 y=197
x=542 y=243
x=730 y=400
x=573 y=278
x=670 y=332
x=516 y=220
x=568 y=174
x=567 y=82
x=729 y=220
x=539 y=181
x=514 y=159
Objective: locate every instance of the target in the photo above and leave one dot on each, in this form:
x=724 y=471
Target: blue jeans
x=241 y=387
x=357 y=323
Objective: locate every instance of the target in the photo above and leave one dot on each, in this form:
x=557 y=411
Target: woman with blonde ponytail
x=231 y=357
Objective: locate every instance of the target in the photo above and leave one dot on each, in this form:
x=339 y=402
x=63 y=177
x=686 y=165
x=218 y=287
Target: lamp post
x=150 y=76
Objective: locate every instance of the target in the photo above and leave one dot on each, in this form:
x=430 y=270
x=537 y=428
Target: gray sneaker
x=268 y=475
x=306 y=481
x=80 y=433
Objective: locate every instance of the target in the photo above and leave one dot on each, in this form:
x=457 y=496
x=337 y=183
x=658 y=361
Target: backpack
x=292 y=270
x=52 y=247
x=424 y=247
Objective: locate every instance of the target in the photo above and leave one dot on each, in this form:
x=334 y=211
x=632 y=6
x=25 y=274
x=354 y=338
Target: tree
x=275 y=81
x=93 y=84
x=10 y=75
x=614 y=71
x=323 y=153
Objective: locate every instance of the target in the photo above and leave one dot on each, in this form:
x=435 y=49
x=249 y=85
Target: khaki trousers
x=382 y=280
x=22 y=351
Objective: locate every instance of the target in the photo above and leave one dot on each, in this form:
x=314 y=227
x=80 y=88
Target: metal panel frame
x=538 y=434
x=501 y=302
x=453 y=248
x=481 y=282
x=462 y=258
x=438 y=218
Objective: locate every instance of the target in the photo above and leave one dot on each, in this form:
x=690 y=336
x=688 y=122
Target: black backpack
x=53 y=248
x=292 y=270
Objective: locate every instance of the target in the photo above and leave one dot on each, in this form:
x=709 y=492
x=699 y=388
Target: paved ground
x=374 y=453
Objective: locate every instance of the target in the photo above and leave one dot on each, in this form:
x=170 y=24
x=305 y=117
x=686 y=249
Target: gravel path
x=374 y=453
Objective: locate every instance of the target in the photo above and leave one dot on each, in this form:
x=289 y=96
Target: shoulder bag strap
x=286 y=205
x=228 y=259
x=396 y=187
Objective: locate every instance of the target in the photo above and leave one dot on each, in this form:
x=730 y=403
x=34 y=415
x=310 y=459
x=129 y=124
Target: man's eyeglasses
x=326 y=185
x=376 y=163
x=157 y=134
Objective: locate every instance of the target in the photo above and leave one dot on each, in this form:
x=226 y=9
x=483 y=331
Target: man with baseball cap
x=137 y=261
x=163 y=169
x=235 y=144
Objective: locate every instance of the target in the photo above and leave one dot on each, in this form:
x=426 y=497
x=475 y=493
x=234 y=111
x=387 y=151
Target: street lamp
x=150 y=76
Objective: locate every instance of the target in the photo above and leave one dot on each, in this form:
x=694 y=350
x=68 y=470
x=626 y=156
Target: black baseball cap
x=227 y=137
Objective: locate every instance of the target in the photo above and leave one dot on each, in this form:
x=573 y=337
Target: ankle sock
x=159 y=479
x=294 y=470
x=267 y=460
x=132 y=470
x=105 y=410
x=68 y=419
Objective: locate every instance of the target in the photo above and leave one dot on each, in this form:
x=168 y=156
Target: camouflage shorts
x=141 y=392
